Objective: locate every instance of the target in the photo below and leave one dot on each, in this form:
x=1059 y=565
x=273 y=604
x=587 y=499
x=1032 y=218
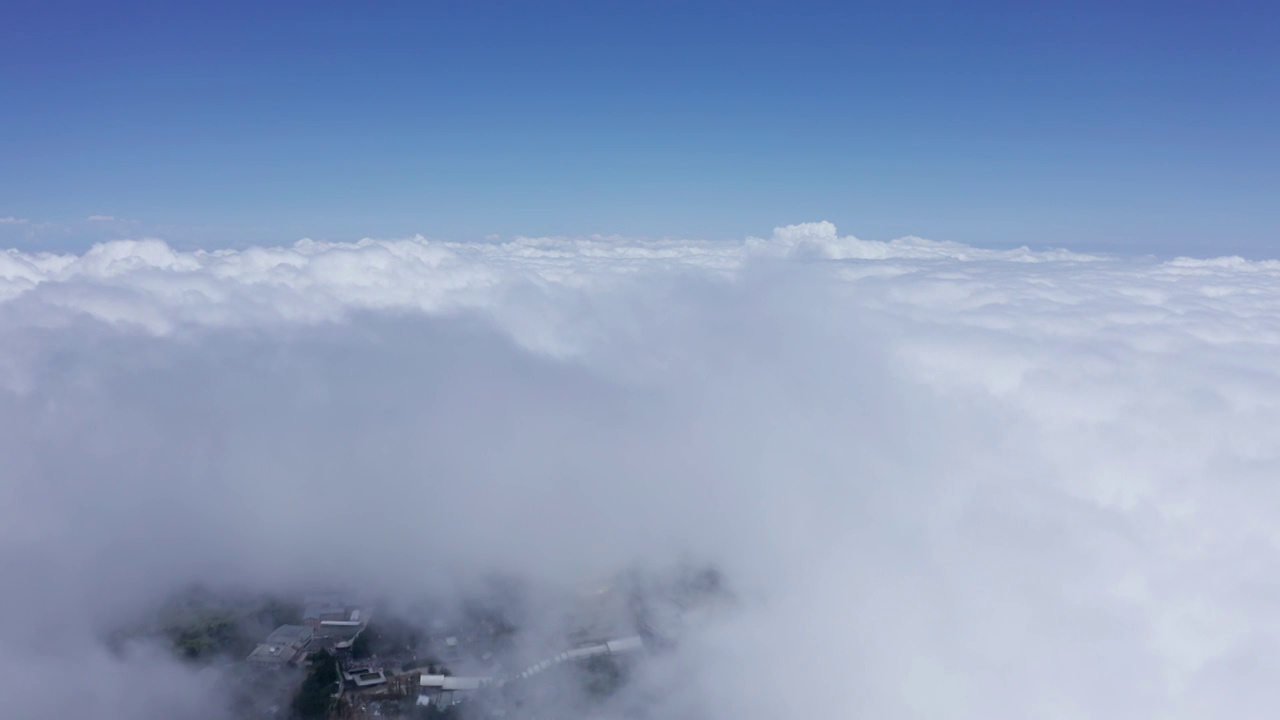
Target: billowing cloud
x=947 y=481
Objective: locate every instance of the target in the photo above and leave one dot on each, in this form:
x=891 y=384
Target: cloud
x=317 y=281
x=101 y=218
x=947 y=481
x=10 y=220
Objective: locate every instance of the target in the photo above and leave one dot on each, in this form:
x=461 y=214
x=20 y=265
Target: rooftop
x=316 y=606
x=464 y=683
x=284 y=645
x=369 y=679
x=290 y=635
x=267 y=654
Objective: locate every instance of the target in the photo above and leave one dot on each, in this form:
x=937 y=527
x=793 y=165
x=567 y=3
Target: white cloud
x=950 y=481
x=101 y=218
x=10 y=220
x=321 y=280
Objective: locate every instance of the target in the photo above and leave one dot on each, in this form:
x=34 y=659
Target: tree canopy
x=314 y=697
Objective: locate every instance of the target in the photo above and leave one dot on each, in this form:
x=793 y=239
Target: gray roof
x=290 y=635
x=273 y=654
x=318 y=605
x=284 y=645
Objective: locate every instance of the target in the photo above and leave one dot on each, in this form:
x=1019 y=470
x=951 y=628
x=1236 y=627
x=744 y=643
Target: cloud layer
x=949 y=481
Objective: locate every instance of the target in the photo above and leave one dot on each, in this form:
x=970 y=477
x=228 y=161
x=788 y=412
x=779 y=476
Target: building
x=366 y=678
x=446 y=690
x=287 y=644
x=334 y=617
x=318 y=609
x=443 y=691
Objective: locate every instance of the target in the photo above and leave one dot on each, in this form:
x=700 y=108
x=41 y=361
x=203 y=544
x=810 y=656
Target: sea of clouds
x=946 y=482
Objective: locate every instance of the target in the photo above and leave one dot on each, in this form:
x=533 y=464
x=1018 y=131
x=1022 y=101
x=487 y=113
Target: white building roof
x=464 y=683
x=586 y=652
x=627 y=644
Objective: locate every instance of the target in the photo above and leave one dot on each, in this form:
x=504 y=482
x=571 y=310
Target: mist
x=942 y=481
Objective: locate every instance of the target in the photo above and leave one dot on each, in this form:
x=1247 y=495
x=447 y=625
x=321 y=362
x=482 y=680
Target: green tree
x=208 y=636
x=362 y=646
x=314 y=697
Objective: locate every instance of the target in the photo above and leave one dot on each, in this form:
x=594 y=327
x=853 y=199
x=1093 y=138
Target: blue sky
x=1147 y=127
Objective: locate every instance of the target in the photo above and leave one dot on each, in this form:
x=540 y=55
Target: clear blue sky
x=1133 y=126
